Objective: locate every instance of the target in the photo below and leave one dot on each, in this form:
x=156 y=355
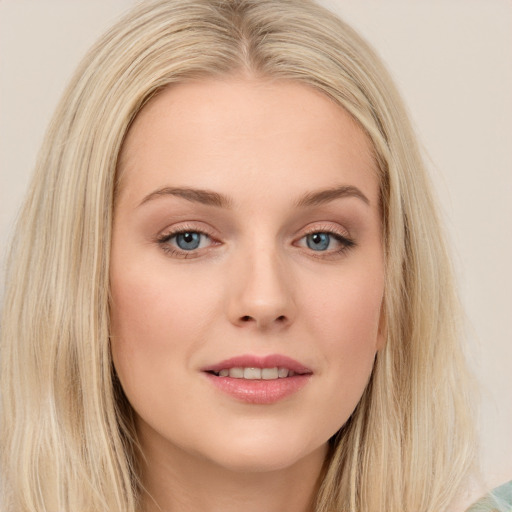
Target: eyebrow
x=195 y=195
x=210 y=198
x=327 y=195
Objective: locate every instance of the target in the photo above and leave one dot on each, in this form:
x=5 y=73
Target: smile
x=251 y=373
x=258 y=380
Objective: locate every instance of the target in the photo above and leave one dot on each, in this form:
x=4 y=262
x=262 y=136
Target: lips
x=270 y=361
x=258 y=380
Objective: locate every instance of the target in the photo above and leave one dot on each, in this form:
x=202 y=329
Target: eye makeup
x=186 y=241
x=326 y=242
x=189 y=241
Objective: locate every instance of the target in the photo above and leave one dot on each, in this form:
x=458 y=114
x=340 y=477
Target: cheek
x=157 y=319
x=347 y=310
x=156 y=304
x=346 y=319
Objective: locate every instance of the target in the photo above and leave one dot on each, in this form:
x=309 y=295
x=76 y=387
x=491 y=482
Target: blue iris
x=188 y=241
x=318 y=241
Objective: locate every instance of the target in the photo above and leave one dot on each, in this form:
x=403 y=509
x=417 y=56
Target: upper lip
x=252 y=361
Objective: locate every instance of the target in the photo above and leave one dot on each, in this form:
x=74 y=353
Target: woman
x=241 y=282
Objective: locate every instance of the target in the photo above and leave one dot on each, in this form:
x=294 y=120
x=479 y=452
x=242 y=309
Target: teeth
x=269 y=373
x=256 y=373
x=282 y=373
x=252 y=373
x=237 y=373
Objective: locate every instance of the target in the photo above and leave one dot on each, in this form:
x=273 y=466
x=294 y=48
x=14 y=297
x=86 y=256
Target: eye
x=184 y=242
x=326 y=241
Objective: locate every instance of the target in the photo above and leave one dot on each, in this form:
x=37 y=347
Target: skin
x=254 y=286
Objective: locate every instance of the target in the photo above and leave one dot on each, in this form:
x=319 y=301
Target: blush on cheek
x=349 y=323
x=154 y=309
x=353 y=307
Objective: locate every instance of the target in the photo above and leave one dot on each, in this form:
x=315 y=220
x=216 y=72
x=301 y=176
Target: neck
x=177 y=481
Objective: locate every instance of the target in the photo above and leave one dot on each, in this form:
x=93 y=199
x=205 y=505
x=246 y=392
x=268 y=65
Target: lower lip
x=259 y=391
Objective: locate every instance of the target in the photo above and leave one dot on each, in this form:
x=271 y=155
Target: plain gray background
x=452 y=60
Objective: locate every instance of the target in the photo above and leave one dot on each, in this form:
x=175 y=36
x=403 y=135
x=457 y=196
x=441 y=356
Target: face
x=246 y=271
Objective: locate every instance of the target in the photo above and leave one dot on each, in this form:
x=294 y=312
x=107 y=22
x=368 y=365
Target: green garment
x=498 y=500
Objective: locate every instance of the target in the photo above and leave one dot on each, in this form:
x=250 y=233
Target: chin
x=256 y=455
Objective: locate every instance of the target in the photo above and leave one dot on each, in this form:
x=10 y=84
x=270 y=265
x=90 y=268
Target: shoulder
x=498 y=500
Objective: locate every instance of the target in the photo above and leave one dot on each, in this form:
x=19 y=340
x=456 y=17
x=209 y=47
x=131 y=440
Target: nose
x=261 y=292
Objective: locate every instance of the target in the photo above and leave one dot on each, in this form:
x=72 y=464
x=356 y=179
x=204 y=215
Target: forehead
x=217 y=133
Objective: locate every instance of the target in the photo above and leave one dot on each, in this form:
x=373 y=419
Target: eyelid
x=189 y=222
x=176 y=229
x=324 y=227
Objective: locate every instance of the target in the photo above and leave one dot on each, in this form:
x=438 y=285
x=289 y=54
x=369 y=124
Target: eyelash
x=163 y=241
x=346 y=242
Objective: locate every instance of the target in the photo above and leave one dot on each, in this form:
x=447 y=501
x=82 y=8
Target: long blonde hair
x=67 y=437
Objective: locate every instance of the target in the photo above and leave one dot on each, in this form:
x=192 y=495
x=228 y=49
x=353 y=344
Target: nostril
x=281 y=319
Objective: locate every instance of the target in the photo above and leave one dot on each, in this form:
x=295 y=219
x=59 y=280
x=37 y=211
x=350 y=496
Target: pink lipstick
x=258 y=380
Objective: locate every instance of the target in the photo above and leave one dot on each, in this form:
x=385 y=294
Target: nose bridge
x=261 y=288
